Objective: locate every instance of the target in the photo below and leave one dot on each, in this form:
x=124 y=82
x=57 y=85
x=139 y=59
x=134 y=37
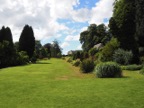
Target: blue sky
x=62 y=20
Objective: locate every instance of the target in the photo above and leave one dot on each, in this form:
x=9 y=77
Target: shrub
x=108 y=50
x=63 y=58
x=108 y=70
x=69 y=60
x=22 y=58
x=87 y=66
x=132 y=67
x=122 y=57
x=77 y=62
x=33 y=59
x=76 y=55
x=93 y=51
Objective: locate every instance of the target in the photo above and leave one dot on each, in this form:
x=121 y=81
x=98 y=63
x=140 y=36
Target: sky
x=62 y=20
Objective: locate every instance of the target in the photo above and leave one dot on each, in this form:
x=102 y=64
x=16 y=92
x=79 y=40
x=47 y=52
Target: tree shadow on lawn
x=125 y=77
x=42 y=63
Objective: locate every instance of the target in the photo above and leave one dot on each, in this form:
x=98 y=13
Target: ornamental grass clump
x=108 y=70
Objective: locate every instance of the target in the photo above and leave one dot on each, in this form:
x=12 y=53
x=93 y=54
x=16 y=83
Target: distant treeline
x=26 y=50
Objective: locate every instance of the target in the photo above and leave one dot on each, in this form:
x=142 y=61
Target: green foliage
x=123 y=27
x=140 y=22
x=77 y=62
x=48 y=47
x=55 y=49
x=27 y=41
x=6 y=35
x=76 y=55
x=93 y=51
x=63 y=58
x=87 y=66
x=94 y=35
x=122 y=57
x=7 y=54
x=142 y=59
x=38 y=48
x=108 y=70
x=34 y=58
x=43 y=53
x=108 y=50
x=132 y=67
x=69 y=60
x=22 y=58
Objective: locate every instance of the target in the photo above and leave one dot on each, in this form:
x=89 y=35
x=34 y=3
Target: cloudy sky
x=54 y=19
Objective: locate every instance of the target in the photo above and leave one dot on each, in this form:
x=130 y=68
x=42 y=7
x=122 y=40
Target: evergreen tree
x=140 y=24
x=6 y=35
x=122 y=25
x=27 y=41
x=7 y=55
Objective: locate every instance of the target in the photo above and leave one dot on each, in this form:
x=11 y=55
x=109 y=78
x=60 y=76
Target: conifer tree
x=27 y=41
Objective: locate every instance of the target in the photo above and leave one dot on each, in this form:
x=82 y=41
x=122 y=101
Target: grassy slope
x=56 y=84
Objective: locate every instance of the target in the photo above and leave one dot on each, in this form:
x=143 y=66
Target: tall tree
x=48 y=47
x=140 y=23
x=27 y=40
x=6 y=35
x=7 y=51
x=94 y=35
x=122 y=25
x=56 y=51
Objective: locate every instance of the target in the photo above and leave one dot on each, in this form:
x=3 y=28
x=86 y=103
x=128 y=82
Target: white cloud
x=81 y=15
x=43 y=17
x=65 y=44
x=38 y=14
x=72 y=38
x=83 y=29
x=102 y=10
x=79 y=47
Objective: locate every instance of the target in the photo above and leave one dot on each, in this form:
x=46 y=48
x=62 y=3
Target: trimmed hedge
x=108 y=70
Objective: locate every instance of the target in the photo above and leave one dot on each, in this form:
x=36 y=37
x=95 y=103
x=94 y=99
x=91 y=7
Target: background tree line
x=26 y=50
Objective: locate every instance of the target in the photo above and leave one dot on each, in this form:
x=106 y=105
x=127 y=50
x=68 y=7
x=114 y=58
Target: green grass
x=57 y=84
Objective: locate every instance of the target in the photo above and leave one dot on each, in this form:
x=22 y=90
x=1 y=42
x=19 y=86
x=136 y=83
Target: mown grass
x=57 y=84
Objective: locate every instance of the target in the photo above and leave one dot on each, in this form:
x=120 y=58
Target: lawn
x=56 y=84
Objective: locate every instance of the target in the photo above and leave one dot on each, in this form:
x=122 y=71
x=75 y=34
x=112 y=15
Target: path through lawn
x=57 y=84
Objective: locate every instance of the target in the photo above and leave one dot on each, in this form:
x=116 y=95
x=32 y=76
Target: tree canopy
x=27 y=40
x=94 y=35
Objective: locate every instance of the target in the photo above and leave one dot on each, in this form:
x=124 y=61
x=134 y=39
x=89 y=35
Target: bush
x=93 y=51
x=22 y=58
x=63 y=58
x=77 y=62
x=69 y=60
x=122 y=57
x=108 y=70
x=87 y=66
x=132 y=67
x=108 y=50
